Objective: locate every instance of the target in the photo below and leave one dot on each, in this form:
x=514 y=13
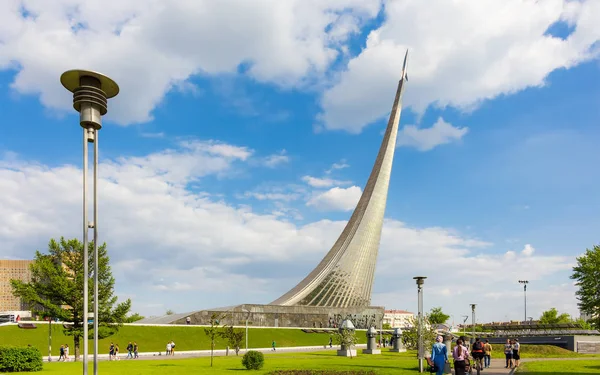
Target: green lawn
x=387 y=363
x=154 y=339
x=591 y=366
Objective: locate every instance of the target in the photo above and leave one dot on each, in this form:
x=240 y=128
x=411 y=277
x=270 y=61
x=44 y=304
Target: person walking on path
x=62 y=353
x=129 y=350
x=273 y=345
x=439 y=355
x=168 y=348
x=516 y=352
x=487 y=353
x=460 y=354
x=508 y=353
x=135 y=350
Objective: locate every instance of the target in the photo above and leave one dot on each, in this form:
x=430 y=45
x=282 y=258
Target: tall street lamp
x=420 y=280
x=247 y=316
x=473 y=317
x=525 y=282
x=90 y=93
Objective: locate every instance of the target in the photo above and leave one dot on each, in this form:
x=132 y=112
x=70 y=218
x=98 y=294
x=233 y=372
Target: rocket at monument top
x=404 y=72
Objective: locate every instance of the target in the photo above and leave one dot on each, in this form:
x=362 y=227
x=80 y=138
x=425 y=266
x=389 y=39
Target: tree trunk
x=76 y=345
x=212 y=346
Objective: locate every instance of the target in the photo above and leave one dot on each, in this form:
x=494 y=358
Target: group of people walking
x=64 y=353
x=479 y=351
x=113 y=351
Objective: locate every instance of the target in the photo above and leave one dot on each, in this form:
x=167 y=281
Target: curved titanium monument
x=344 y=278
x=340 y=286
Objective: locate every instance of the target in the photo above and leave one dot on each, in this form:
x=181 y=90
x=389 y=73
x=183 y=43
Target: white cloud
x=342 y=199
x=335 y=166
x=426 y=139
x=147 y=217
x=528 y=250
x=323 y=182
x=275 y=160
x=153 y=46
x=461 y=52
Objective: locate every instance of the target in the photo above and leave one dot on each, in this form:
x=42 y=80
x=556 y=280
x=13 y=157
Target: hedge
x=17 y=359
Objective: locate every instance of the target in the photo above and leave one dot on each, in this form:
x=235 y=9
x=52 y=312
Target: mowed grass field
x=384 y=364
x=587 y=366
x=154 y=339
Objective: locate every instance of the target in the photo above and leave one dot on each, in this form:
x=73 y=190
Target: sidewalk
x=205 y=353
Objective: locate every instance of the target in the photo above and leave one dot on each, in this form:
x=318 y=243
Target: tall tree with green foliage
x=551 y=317
x=56 y=289
x=587 y=274
x=133 y=318
x=437 y=316
x=214 y=331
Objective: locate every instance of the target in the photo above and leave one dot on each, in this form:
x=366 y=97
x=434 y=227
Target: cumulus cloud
x=154 y=46
x=425 y=139
x=323 y=182
x=337 y=198
x=460 y=54
x=275 y=160
x=528 y=250
x=168 y=243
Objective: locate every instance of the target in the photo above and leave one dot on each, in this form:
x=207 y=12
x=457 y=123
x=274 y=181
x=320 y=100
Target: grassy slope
x=385 y=364
x=152 y=339
x=560 y=367
x=539 y=351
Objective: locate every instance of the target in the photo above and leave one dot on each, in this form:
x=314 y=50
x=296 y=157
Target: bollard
x=371 y=342
x=398 y=347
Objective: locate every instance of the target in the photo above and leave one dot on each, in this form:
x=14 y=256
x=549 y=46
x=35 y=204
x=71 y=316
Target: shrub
x=16 y=359
x=253 y=360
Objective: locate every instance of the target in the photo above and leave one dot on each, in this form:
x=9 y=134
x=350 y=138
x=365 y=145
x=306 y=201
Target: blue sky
x=239 y=143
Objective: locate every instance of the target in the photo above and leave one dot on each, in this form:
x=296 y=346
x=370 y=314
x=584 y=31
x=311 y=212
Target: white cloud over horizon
x=167 y=242
x=336 y=198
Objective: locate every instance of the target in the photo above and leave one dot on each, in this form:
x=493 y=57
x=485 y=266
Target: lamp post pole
x=420 y=281
x=473 y=318
x=90 y=93
x=247 y=316
x=50 y=339
x=525 y=282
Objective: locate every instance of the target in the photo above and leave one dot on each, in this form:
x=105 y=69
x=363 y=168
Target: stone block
x=347 y=353
x=371 y=351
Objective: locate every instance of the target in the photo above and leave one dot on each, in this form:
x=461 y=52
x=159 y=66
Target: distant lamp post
x=525 y=282
x=421 y=352
x=473 y=317
x=90 y=93
x=247 y=316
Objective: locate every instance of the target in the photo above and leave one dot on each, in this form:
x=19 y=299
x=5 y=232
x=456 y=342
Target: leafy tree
x=583 y=324
x=213 y=331
x=587 y=274
x=56 y=289
x=133 y=318
x=169 y=312
x=551 y=317
x=233 y=336
x=410 y=337
x=386 y=326
x=437 y=316
x=346 y=338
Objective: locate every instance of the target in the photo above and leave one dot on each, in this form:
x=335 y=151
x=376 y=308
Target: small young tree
x=233 y=336
x=410 y=337
x=213 y=332
x=346 y=338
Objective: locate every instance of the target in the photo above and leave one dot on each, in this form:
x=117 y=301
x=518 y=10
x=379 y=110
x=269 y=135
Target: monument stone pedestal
x=346 y=352
x=371 y=351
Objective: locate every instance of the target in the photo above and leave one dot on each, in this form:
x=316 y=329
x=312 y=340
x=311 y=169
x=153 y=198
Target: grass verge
x=154 y=339
x=591 y=366
x=384 y=364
